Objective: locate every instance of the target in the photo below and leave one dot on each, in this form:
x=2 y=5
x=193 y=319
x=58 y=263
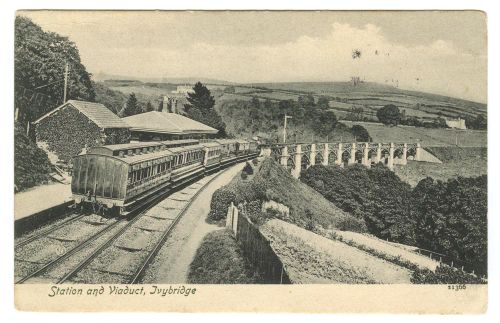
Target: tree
x=360 y=133
x=160 y=105
x=323 y=103
x=479 y=122
x=149 y=107
x=451 y=218
x=131 y=107
x=200 y=99
x=325 y=122
x=39 y=62
x=389 y=115
x=200 y=107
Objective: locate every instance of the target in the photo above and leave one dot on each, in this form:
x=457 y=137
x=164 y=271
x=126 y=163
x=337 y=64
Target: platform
x=40 y=198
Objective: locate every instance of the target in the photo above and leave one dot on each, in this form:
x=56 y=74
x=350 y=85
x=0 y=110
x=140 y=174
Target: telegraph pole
x=284 y=128
x=66 y=74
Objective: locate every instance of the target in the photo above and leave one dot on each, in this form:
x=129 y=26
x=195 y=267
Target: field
x=465 y=162
x=427 y=137
x=380 y=94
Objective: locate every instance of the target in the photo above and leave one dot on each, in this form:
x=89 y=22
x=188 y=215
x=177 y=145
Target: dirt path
x=172 y=262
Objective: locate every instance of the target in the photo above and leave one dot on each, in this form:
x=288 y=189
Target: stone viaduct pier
x=299 y=156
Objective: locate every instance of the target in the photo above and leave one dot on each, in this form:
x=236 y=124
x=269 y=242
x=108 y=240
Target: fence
x=256 y=248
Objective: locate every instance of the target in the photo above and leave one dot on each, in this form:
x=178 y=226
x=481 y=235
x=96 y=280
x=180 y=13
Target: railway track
x=147 y=255
x=50 y=230
x=93 y=247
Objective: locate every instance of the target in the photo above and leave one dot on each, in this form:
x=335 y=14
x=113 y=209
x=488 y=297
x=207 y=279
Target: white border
x=7 y=14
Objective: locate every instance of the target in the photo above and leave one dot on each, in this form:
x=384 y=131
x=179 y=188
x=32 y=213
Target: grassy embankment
x=267 y=181
x=219 y=260
x=270 y=181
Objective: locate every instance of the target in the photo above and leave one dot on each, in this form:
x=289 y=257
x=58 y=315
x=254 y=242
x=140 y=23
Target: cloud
x=157 y=47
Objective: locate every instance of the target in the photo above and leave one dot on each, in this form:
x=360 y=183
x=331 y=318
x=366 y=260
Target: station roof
x=167 y=123
x=97 y=112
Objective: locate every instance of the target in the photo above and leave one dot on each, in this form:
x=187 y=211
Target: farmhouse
x=65 y=131
x=157 y=125
x=456 y=123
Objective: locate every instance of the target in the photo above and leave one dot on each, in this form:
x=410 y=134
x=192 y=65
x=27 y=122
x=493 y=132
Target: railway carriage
x=187 y=162
x=121 y=177
x=213 y=152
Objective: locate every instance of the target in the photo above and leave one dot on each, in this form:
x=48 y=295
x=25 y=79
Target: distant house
x=157 y=125
x=68 y=129
x=183 y=89
x=456 y=123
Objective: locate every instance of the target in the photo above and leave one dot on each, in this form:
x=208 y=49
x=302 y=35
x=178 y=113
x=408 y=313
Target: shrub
x=221 y=200
x=31 y=164
x=255 y=161
x=248 y=169
x=244 y=175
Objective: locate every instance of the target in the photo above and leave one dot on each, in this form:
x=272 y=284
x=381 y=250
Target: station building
x=156 y=125
x=75 y=125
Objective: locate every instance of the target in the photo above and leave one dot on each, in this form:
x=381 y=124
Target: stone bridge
x=297 y=157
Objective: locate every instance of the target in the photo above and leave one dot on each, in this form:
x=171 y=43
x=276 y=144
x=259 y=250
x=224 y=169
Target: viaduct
x=297 y=157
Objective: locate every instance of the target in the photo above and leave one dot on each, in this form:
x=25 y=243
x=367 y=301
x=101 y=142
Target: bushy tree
x=149 y=107
x=377 y=196
x=451 y=218
x=323 y=103
x=479 y=122
x=39 y=63
x=200 y=107
x=131 y=107
x=389 y=115
x=360 y=133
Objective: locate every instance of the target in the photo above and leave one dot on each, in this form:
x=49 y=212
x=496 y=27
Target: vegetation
x=200 y=107
x=389 y=115
x=273 y=182
x=231 y=266
x=310 y=119
x=430 y=137
x=40 y=59
x=444 y=275
x=376 y=196
x=479 y=122
x=111 y=99
x=451 y=218
x=360 y=133
x=446 y=217
x=131 y=107
x=31 y=164
x=457 y=161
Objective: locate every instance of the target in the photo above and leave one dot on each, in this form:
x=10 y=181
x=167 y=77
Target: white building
x=456 y=123
x=183 y=89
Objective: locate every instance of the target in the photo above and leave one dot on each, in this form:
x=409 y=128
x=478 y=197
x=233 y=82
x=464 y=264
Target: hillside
x=379 y=94
x=347 y=101
x=457 y=161
x=271 y=182
x=438 y=137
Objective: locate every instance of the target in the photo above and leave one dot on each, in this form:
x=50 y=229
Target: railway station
x=156 y=125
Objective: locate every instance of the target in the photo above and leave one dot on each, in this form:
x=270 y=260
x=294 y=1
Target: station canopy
x=167 y=123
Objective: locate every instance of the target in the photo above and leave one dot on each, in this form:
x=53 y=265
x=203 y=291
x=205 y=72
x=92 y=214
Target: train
x=118 y=179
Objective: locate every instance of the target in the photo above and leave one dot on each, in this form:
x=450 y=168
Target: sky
x=438 y=52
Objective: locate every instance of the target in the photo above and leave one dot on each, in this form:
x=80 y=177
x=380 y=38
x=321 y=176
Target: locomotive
x=117 y=179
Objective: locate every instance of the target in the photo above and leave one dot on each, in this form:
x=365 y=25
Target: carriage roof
x=226 y=141
x=210 y=144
